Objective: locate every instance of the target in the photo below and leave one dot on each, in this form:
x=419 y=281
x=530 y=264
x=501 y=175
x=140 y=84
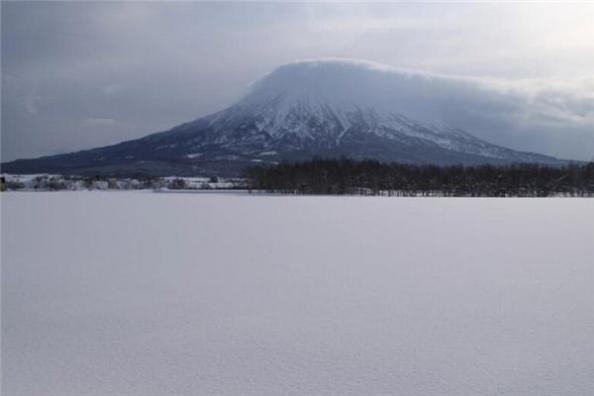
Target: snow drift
x=124 y=293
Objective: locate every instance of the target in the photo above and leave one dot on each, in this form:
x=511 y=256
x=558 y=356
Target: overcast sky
x=79 y=75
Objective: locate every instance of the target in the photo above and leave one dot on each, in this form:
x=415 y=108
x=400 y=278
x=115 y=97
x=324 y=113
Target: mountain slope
x=317 y=108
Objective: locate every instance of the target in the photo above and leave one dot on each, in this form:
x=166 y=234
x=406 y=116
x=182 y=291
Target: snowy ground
x=137 y=293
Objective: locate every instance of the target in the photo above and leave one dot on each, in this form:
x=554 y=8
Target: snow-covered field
x=145 y=294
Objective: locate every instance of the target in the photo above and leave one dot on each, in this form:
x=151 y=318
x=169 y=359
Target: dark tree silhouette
x=370 y=177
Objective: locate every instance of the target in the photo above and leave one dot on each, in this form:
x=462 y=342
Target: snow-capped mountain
x=325 y=108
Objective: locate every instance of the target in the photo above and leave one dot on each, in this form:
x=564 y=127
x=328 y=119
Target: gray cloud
x=99 y=122
x=546 y=115
x=68 y=68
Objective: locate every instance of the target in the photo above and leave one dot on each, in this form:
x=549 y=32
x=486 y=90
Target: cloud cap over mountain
x=148 y=66
x=503 y=111
x=321 y=108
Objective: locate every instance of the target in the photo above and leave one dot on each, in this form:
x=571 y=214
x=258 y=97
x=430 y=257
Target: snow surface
x=136 y=293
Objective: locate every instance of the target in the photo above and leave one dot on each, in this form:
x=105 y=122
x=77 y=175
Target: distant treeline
x=45 y=182
x=344 y=176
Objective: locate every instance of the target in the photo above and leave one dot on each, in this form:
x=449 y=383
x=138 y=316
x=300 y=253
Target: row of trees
x=344 y=176
x=60 y=182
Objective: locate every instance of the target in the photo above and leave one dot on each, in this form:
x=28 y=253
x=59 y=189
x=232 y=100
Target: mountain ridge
x=308 y=109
